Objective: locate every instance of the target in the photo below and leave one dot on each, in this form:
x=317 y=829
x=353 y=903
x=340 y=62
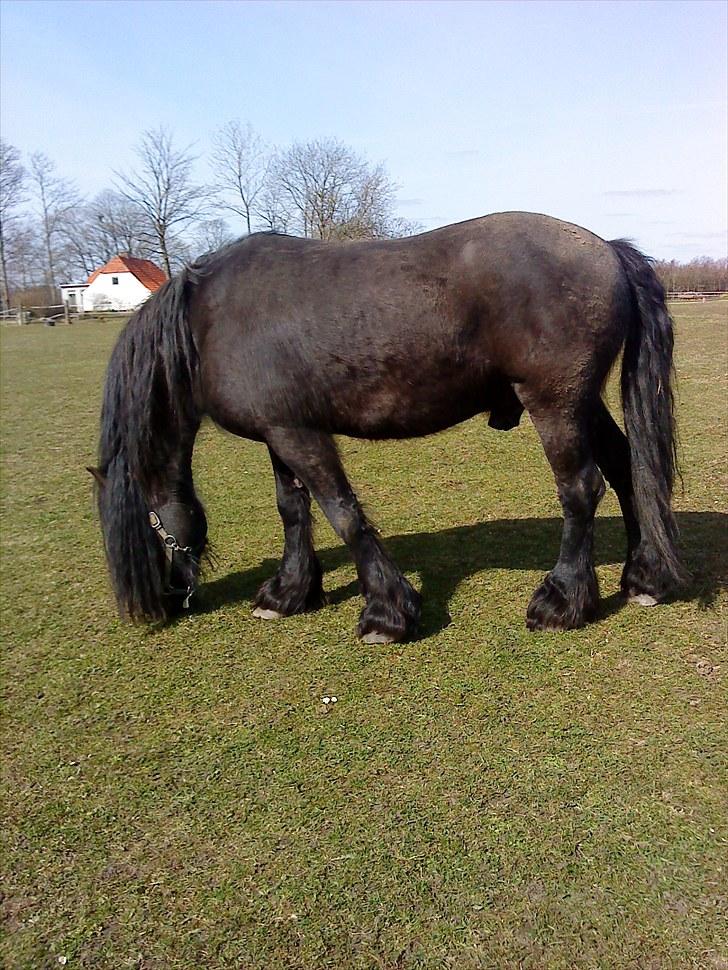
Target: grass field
x=480 y=798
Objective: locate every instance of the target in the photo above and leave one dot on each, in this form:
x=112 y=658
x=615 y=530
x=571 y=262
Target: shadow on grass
x=444 y=559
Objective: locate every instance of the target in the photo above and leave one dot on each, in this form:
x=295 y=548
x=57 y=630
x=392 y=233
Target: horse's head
x=181 y=527
x=154 y=543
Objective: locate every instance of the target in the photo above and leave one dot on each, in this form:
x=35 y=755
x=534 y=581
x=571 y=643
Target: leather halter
x=170 y=547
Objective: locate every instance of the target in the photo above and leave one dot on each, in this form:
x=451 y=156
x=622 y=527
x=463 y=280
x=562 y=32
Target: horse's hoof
x=643 y=599
x=375 y=637
x=554 y=607
x=264 y=614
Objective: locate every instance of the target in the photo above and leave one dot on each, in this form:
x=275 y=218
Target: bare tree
x=106 y=226
x=371 y=213
x=120 y=225
x=211 y=235
x=700 y=274
x=317 y=180
x=240 y=164
x=57 y=198
x=273 y=207
x=24 y=254
x=162 y=189
x=329 y=192
x=12 y=179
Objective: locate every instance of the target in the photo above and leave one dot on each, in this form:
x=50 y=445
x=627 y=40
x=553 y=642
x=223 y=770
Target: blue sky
x=609 y=114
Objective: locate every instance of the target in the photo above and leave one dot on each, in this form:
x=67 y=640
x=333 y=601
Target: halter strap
x=170 y=547
x=170 y=543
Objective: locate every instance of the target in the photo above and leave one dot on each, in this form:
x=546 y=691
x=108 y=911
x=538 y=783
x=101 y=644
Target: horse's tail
x=148 y=409
x=649 y=417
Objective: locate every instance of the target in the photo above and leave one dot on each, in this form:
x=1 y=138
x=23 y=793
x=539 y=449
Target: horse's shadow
x=444 y=559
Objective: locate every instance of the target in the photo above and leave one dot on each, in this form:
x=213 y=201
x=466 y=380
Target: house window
x=114 y=280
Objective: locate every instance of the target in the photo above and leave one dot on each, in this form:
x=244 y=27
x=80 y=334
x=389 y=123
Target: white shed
x=72 y=294
x=123 y=283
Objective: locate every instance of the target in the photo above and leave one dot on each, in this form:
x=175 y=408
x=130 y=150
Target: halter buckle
x=170 y=547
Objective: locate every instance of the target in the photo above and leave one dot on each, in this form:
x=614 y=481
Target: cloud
x=411 y=201
x=695 y=248
x=698 y=235
x=463 y=152
x=641 y=193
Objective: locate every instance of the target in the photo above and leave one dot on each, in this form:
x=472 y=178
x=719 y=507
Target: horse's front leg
x=296 y=587
x=392 y=606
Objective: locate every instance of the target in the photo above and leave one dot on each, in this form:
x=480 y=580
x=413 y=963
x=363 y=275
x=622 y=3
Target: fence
x=701 y=295
x=49 y=315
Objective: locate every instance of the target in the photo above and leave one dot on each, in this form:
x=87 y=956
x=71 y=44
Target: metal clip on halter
x=170 y=547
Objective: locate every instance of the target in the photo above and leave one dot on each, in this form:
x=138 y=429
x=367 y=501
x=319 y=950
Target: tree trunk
x=4 y=291
x=51 y=279
x=165 y=257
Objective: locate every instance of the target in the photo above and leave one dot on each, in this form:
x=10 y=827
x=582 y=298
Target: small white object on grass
x=263 y=614
x=377 y=638
x=643 y=599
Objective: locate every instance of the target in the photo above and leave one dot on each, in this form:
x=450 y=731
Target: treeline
x=701 y=275
x=50 y=233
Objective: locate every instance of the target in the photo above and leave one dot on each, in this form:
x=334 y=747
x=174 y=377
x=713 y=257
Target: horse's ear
x=100 y=478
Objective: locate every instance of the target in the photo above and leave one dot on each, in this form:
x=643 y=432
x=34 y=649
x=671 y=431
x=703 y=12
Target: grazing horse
x=290 y=341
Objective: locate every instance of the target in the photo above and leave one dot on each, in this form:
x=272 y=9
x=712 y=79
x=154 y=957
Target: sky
x=612 y=115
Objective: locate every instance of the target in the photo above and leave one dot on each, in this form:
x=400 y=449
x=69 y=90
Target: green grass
x=481 y=798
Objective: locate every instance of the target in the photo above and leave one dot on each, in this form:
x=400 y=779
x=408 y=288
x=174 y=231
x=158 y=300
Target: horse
x=289 y=341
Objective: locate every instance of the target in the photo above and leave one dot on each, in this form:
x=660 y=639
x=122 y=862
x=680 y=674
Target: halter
x=170 y=547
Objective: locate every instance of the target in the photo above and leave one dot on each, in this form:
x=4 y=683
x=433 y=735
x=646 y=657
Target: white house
x=123 y=283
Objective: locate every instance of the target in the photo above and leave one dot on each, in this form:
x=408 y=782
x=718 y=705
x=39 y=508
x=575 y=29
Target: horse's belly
x=406 y=411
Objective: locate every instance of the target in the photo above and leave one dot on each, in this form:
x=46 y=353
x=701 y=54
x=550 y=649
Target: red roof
x=145 y=271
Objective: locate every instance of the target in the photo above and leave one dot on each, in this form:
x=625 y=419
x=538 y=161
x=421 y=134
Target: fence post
x=20 y=315
x=66 y=313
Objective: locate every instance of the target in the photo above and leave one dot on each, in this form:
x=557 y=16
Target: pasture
x=483 y=797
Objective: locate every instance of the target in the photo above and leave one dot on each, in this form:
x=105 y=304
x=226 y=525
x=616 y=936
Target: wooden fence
x=701 y=295
x=49 y=315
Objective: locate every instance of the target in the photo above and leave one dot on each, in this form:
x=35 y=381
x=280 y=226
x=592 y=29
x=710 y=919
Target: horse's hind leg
x=640 y=578
x=611 y=452
x=392 y=605
x=296 y=587
x=568 y=597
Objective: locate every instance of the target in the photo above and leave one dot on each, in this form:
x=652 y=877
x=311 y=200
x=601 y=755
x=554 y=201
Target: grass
x=481 y=798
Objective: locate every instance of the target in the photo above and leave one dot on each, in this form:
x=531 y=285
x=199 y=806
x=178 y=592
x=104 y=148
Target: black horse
x=290 y=341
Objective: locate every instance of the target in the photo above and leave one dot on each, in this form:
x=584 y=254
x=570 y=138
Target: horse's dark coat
x=289 y=341
x=401 y=337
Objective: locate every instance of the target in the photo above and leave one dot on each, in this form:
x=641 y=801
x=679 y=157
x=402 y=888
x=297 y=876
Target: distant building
x=123 y=283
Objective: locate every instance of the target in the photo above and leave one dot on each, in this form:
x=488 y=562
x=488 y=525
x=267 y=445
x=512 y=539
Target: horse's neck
x=173 y=479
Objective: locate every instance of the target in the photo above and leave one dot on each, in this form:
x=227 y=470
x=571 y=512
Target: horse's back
x=398 y=337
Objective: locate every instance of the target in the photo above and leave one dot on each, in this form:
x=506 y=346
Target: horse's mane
x=148 y=409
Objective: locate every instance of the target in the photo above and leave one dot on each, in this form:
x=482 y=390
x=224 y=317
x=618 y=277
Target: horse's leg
x=568 y=597
x=296 y=586
x=392 y=605
x=611 y=450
